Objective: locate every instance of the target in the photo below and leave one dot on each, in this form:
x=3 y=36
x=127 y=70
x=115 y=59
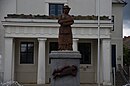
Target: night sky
x=126 y=19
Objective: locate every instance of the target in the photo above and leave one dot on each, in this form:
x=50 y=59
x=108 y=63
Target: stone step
x=50 y=85
x=36 y=85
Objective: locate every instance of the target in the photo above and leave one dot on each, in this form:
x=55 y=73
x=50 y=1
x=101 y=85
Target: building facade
x=30 y=31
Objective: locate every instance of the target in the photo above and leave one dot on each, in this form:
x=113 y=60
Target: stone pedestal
x=63 y=68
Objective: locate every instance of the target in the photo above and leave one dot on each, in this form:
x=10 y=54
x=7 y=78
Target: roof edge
x=30 y=16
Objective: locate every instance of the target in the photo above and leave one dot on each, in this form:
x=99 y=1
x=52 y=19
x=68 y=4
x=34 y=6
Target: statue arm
x=68 y=21
x=60 y=20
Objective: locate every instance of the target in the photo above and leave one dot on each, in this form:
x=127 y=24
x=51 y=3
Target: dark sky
x=126 y=19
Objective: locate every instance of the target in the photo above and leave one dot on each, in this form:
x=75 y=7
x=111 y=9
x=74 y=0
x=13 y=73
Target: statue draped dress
x=65 y=32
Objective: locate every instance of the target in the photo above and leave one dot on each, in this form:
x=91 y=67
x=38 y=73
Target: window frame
x=92 y=44
x=34 y=51
x=53 y=1
x=27 y=52
x=55 y=8
x=86 y=47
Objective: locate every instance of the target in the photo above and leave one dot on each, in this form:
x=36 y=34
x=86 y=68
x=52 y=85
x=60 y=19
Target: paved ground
x=50 y=85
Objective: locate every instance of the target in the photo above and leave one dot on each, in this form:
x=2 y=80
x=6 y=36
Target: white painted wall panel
x=117 y=34
x=82 y=7
x=90 y=7
x=6 y=7
x=105 y=7
x=118 y=23
x=31 y=7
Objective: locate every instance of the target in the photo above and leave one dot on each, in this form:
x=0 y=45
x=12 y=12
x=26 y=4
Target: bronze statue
x=65 y=32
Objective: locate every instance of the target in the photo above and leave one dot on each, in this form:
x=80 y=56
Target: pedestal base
x=65 y=68
x=107 y=84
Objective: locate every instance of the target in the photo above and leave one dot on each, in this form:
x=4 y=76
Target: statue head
x=66 y=9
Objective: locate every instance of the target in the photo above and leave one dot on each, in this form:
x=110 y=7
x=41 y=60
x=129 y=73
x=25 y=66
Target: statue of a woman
x=65 y=32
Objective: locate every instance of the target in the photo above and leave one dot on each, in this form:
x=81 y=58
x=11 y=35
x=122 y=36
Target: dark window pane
x=52 y=9
x=53 y=46
x=85 y=50
x=113 y=53
x=30 y=47
x=29 y=58
x=23 y=47
x=60 y=9
x=23 y=58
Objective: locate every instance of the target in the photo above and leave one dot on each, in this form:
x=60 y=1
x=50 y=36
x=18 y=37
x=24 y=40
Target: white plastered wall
x=6 y=7
x=117 y=34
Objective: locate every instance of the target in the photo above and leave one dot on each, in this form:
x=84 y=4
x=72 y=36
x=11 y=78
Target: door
x=87 y=61
x=113 y=53
x=26 y=60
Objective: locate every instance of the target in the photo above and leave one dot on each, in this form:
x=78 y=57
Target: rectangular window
x=55 y=9
x=85 y=50
x=53 y=46
x=26 y=52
